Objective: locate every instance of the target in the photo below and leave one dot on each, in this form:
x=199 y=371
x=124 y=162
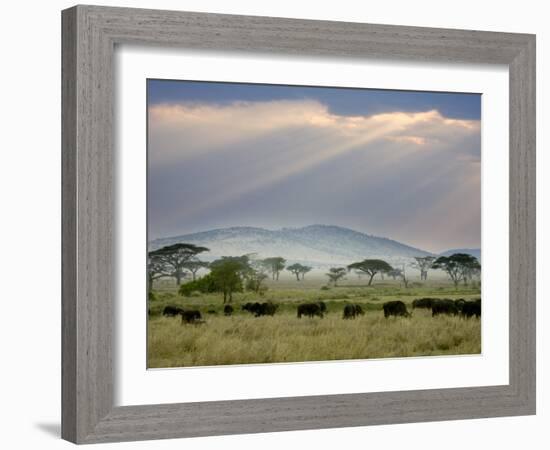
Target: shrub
x=201 y=285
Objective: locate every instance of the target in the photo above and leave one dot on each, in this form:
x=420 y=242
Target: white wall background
x=30 y=226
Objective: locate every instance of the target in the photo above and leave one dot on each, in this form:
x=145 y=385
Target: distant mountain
x=469 y=251
x=316 y=245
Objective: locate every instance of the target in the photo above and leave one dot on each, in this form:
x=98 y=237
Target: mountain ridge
x=317 y=244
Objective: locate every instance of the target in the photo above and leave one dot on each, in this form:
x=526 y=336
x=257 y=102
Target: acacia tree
x=370 y=267
x=299 y=270
x=395 y=273
x=175 y=257
x=335 y=273
x=155 y=271
x=305 y=269
x=469 y=269
x=457 y=266
x=194 y=265
x=226 y=274
x=423 y=263
x=274 y=265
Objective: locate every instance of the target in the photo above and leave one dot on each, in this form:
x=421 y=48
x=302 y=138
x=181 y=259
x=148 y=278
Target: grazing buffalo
x=260 y=309
x=444 y=306
x=470 y=309
x=352 y=311
x=250 y=307
x=171 y=311
x=265 y=309
x=227 y=310
x=423 y=303
x=191 y=316
x=395 y=308
x=323 y=307
x=309 y=310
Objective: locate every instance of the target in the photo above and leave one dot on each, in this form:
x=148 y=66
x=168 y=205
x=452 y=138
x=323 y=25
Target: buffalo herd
x=437 y=306
x=460 y=307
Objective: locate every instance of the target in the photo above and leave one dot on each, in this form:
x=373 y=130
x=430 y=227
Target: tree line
x=230 y=274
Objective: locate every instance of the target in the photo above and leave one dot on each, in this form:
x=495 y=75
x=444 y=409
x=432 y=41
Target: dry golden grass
x=243 y=339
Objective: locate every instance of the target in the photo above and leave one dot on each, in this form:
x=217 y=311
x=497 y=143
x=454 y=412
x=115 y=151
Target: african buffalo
x=323 y=307
x=249 y=306
x=171 y=311
x=265 y=309
x=260 y=309
x=422 y=303
x=444 y=306
x=459 y=304
x=470 y=309
x=352 y=311
x=395 y=308
x=227 y=310
x=190 y=316
x=310 y=310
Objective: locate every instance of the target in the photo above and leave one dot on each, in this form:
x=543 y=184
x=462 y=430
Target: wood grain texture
x=89 y=36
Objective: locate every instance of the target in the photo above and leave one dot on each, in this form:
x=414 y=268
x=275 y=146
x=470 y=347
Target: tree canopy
x=274 y=265
x=458 y=266
x=336 y=273
x=371 y=267
x=299 y=270
x=227 y=274
x=174 y=257
x=423 y=263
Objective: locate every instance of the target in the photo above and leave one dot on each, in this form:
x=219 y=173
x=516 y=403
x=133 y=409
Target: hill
x=316 y=245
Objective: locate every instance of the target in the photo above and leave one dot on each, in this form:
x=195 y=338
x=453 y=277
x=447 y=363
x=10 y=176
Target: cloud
x=225 y=155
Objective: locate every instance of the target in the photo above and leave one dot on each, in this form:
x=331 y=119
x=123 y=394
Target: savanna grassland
x=244 y=339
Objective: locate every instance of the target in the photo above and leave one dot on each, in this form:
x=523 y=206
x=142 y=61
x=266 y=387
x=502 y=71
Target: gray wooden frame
x=89 y=36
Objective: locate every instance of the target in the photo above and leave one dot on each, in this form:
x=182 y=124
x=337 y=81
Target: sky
x=399 y=164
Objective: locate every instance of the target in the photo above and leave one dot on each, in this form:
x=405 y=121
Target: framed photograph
x=256 y=207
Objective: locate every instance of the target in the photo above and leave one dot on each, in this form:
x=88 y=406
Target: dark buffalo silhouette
x=260 y=309
x=227 y=310
x=323 y=307
x=211 y=311
x=309 y=310
x=352 y=311
x=265 y=309
x=171 y=311
x=250 y=307
x=423 y=303
x=395 y=308
x=470 y=309
x=191 y=316
x=444 y=306
x=459 y=303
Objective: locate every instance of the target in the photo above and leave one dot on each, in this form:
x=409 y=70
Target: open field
x=245 y=339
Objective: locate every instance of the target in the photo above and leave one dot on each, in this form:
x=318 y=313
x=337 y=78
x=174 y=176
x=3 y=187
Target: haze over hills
x=315 y=245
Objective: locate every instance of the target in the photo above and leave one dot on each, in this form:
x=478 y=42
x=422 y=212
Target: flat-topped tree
x=371 y=267
x=174 y=258
x=194 y=265
x=156 y=269
x=299 y=270
x=335 y=273
x=274 y=265
x=305 y=269
x=423 y=263
x=457 y=266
